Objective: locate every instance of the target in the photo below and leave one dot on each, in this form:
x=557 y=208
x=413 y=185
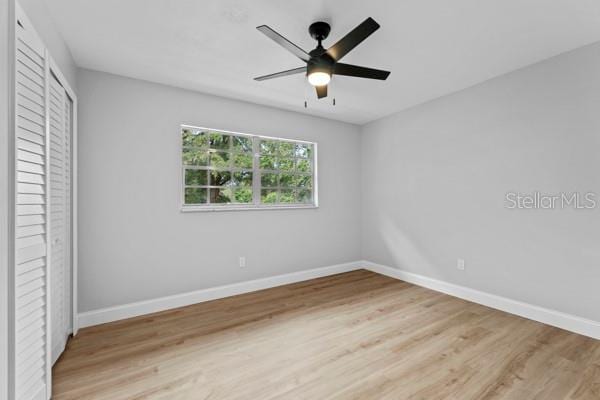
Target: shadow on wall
x=406 y=253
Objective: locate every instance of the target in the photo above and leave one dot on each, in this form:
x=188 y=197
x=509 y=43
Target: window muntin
x=232 y=170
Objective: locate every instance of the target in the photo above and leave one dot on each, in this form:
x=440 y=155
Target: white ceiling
x=432 y=47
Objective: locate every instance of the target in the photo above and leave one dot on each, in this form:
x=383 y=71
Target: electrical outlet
x=460 y=264
x=242 y=262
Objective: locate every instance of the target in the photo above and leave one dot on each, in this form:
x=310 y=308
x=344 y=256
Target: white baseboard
x=550 y=317
x=116 y=313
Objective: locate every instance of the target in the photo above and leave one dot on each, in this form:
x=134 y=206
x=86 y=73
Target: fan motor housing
x=320 y=61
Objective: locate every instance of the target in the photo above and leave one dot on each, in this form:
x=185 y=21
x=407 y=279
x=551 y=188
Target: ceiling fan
x=322 y=63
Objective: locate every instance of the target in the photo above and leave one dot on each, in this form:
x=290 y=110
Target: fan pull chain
x=305 y=95
x=332 y=91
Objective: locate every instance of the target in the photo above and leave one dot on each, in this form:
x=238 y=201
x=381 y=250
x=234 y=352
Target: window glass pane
x=304 y=196
x=302 y=181
x=287 y=196
x=268 y=180
x=194 y=137
x=268 y=196
x=219 y=159
x=242 y=161
x=192 y=156
x=303 y=165
x=286 y=180
x=302 y=150
x=286 y=149
x=243 y=195
x=196 y=177
x=221 y=195
x=269 y=146
x=268 y=162
x=242 y=144
x=220 y=178
x=195 y=196
x=219 y=141
x=286 y=164
x=243 y=178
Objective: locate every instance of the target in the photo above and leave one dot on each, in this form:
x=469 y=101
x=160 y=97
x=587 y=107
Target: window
x=226 y=170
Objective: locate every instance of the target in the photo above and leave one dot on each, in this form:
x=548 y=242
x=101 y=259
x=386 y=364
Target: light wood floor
x=351 y=336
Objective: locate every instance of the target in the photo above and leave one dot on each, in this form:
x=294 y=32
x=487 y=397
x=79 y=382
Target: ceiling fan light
x=319 y=78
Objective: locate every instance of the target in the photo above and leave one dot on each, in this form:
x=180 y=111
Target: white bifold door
x=60 y=215
x=42 y=277
x=31 y=275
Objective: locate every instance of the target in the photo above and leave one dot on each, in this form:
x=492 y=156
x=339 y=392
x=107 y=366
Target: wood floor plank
x=357 y=335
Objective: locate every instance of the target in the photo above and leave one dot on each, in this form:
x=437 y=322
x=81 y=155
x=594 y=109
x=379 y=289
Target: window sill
x=187 y=209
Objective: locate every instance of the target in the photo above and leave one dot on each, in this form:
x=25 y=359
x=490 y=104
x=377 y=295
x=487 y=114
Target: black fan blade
x=360 y=72
x=321 y=91
x=353 y=39
x=282 y=73
x=283 y=42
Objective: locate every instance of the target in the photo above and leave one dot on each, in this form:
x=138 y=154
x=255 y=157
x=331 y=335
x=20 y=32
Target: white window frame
x=256 y=184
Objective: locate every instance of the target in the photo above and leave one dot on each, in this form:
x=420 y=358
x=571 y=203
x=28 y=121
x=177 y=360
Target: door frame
x=7 y=42
x=54 y=69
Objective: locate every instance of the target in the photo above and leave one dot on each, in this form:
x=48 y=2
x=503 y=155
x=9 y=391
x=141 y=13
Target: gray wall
x=135 y=244
x=434 y=181
x=37 y=12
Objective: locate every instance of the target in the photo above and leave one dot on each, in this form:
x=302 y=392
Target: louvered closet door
x=60 y=215
x=31 y=347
